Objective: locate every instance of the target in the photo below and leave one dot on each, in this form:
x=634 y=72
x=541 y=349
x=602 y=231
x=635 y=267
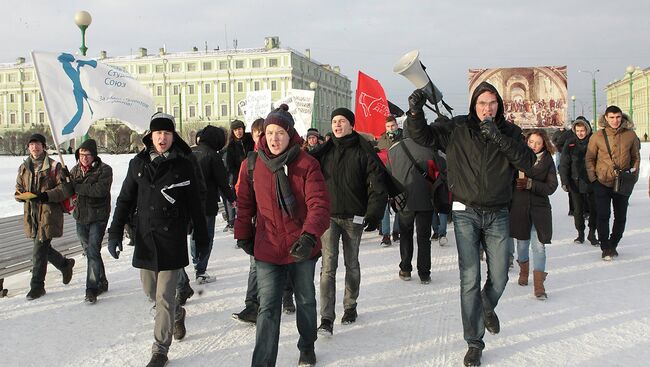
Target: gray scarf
x=286 y=199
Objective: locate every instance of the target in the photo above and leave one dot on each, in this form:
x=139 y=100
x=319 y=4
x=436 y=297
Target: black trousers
x=606 y=197
x=422 y=222
x=41 y=254
x=582 y=203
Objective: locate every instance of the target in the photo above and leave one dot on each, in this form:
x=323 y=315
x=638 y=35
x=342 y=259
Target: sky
x=370 y=36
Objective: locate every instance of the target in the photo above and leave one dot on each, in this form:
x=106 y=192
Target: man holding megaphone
x=483 y=151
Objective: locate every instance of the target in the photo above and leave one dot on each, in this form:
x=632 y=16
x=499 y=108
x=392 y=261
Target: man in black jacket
x=239 y=144
x=354 y=177
x=162 y=183
x=483 y=150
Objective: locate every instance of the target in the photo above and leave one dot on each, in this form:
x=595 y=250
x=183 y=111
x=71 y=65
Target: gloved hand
x=521 y=183
x=246 y=245
x=417 y=99
x=115 y=247
x=370 y=224
x=565 y=188
x=41 y=197
x=301 y=250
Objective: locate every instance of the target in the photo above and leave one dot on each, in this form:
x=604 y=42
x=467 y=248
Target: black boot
x=158 y=360
x=307 y=357
x=580 y=239
x=472 y=357
x=592 y=238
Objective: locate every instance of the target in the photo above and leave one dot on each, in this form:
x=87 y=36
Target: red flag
x=371 y=106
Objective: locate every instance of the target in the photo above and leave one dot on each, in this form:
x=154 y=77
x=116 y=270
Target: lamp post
x=573 y=99
x=630 y=70
x=83 y=19
x=314 y=111
x=593 y=91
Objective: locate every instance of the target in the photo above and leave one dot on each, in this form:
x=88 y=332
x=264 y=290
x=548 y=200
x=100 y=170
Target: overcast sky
x=370 y=36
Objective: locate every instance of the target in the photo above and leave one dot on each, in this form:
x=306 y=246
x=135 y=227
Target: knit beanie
x=342 y=111
x=281 y=117
x=162 y=121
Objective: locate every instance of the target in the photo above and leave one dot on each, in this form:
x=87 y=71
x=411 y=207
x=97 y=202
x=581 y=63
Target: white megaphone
x=410 y=67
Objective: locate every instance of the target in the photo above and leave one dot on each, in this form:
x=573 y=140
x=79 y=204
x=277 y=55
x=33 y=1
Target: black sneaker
x=426 y=279
x=591 y=237
x=349 y=316
x=103 y=287
x=435 y=236
x=326 y=327
x=607 y=255
x=67 y=271
x=91 y=296
x=179 y=326
x=184 y=294
x=580 y=239
x=307 y=358
x=491 y=322
x=472 y=357
x=395 y=237
x=287 y=305
x=405 y=275
x=35 y=293
x=158 y=360
x=247 y=315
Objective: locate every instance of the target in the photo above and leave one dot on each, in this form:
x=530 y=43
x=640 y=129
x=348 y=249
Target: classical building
x=197 y=87
x=618 y=93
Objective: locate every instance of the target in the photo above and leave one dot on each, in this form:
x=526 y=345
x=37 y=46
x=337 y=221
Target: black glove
x=491 y=133
x=41 y=197
x=246 y=245
x=417 y=99
x=301 y=250
x=370 y=224
x=115 y=247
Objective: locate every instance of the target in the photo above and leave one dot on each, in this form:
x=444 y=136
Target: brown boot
x=523 y=272
x=538 y=278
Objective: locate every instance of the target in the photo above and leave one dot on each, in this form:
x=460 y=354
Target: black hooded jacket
x=480 y=175
x=214 y=172
x=236 y=152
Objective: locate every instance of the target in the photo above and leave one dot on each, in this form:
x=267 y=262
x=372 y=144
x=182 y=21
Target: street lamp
x=83 y=19
x=573 y=99
x=630 y=70
x=313 y=86
x=593 y=91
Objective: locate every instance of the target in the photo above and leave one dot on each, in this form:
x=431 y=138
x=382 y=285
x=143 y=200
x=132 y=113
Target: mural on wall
x=533 y=97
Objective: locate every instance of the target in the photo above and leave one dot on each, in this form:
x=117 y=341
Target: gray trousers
x=160 y=286
x=350 y=234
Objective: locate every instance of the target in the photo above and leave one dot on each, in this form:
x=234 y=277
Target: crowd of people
x=290 y=201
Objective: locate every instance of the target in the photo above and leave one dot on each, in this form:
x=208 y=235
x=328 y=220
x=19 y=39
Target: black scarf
x=286 y=200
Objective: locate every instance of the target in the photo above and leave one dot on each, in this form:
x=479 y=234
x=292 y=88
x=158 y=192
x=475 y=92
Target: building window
x=224 y=110
x=274 y=85
x=257 y=63
x=190 y=89
x=191 y=66
x=12 y=77
x=160 y=68
x=159 y=90
x=207 y=88
x=12 y=98
x=26 y=97
x=28 y=77
x=208 y=110
x=142 y=69
x=176 y=68
x=12 y=118
x=239 y=64
x=224 y=87
x=256 y=85
x=41 y=117
x=207 y=65
x=40 y=97
x=192 y=111
x=273 y=63
x=223 y=65
x=240 y=87
x=27 y=119
x=175 y=89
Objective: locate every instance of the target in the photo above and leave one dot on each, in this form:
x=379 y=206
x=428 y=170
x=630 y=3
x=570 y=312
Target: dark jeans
x=472 y=228
x=201 y=265
x=229 y=209
x=271 y=281
x=422 y=222
x=251 y=290
x=605 y=196
x=91 y=235
x=582 y=203
x=42 y=253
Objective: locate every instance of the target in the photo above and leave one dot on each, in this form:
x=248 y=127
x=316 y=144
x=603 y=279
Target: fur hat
x=342 y=111
x=162 y=121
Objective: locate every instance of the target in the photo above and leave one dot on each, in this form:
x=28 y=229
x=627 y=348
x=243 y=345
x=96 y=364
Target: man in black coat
x=162 y=183
x=483 y=150
x=239 y=144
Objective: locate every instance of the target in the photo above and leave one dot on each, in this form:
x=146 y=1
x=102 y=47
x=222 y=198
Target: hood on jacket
x=486 y=87
x=582 y=122
x=214 y=137
x=89 y=145
x=626 y=123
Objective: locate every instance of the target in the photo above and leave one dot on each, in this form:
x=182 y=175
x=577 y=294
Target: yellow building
x=198 y=87
x=618 y=93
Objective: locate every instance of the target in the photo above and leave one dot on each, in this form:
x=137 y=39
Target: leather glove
x=521 y=183
x=370 y=224
x=247 y=246
x=301 y=250
x=417 y=99
x=115 y=247
x=41 y=197
x=565 y=188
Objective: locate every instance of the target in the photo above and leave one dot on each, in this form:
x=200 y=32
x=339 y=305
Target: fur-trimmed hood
x=584 y=123
x=627 y=123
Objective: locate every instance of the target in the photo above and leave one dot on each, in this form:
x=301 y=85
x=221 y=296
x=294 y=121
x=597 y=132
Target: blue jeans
x=539 y=251
x=350 y=233
x=271 y=281
x=385 y=222
x=439 y=223
x=200 y=265
x=91 y=235
x=472 y=227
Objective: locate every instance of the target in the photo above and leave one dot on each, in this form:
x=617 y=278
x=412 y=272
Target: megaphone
x=410 y=67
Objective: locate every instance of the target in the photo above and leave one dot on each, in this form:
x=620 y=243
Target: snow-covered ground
x=597 y=314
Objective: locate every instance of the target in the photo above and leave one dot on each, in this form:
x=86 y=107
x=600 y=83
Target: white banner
x=257 y=104
x=78 y=91
x=301 y=103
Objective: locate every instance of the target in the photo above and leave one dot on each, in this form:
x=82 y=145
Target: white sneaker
x=205 y=278
x=442 y=240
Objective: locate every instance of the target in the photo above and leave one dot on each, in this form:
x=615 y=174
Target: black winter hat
x=237 y=124
x=37 y=137
x=89 y=145
x=281 y=117
x=342 y=111
x=162 y=121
